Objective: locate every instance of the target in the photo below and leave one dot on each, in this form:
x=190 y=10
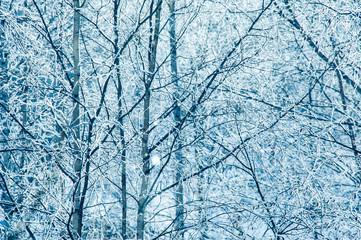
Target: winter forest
x=180 y=119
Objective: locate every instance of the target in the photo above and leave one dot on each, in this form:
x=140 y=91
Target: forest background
x=188 y=119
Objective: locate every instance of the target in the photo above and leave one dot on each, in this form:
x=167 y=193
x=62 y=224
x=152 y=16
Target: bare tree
x=152 y=57
x=179 y=222
x=201 y=119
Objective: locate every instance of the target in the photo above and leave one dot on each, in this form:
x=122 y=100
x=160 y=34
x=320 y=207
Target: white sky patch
x=155 y=159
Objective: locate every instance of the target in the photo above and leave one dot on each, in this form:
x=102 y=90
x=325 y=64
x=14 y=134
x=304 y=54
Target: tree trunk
x=179 y=222
x=5 y=157
x=120 y=120
x=77 y=210
x=202 y=211
x=153 y=43
x=24 y=121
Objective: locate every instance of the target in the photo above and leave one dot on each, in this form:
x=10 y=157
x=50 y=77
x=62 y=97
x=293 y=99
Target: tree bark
x=120 y=121
x=153 y=43
x=179 y=222
x=77 y=210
